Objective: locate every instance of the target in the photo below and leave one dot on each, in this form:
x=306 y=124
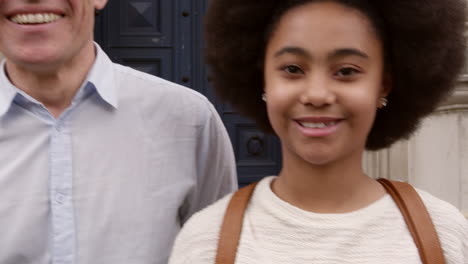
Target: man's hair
x=424 y=51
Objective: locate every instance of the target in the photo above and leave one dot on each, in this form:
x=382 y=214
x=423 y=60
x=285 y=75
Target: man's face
x=42 y=35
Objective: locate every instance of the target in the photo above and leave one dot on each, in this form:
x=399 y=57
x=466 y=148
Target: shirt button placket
x=61 y=183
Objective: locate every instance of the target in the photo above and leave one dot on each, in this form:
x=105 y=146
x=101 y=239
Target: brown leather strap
x=407 y=199
x=417 y=219
x=231 y=228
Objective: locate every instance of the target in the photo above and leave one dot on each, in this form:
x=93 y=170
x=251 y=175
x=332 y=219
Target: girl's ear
x=387 y=85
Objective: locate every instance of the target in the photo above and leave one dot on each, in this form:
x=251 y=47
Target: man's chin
x=34 y=63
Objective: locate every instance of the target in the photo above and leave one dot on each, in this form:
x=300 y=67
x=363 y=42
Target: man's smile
x=37 y=18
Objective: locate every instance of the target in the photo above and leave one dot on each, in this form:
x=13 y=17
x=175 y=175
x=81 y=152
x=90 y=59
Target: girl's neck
x=339 y=187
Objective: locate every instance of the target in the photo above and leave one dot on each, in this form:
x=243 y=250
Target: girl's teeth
x=35 y=18
x=316 y=125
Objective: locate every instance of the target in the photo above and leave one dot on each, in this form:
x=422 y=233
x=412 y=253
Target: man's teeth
x=317 y=125
x=35 y=18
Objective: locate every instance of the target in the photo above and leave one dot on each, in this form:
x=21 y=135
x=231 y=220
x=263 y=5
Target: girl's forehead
x=317 y=11
x=314 y=13
x=324 y=25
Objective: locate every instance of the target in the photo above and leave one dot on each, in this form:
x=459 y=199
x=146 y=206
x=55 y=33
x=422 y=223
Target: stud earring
x=264 y=97
x=383 y=102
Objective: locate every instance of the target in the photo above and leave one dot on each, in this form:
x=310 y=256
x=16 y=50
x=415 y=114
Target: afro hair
x=424 y=48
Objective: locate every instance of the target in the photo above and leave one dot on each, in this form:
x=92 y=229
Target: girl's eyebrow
x=293 y=50
x=337 y=53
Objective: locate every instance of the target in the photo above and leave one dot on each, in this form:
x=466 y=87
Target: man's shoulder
x=138 y=83
x=152 y=93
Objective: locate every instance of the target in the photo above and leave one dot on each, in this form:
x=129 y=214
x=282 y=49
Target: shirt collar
x=7 y=90
x=101 y=76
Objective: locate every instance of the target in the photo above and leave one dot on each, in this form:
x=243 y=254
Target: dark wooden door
x=164 y=38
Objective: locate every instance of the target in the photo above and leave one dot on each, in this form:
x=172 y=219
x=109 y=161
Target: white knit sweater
x=277 y=232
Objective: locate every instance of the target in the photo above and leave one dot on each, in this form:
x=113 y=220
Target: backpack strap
x=417 y=219
x=407 y=199
x=230 y=232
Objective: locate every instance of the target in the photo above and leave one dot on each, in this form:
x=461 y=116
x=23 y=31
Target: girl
x=331 y=79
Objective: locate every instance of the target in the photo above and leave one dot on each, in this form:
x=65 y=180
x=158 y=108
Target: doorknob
x=255 y=145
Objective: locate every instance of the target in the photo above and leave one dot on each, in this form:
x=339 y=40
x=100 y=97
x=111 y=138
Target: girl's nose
x=317 y=93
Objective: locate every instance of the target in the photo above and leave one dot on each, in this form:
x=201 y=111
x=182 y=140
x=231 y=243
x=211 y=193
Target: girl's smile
x=318 y=126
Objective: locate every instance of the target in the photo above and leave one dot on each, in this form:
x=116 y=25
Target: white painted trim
x=458 y=100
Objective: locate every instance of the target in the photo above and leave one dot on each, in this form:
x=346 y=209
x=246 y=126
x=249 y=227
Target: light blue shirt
x=113 y=178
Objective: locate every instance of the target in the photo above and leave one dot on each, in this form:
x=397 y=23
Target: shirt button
x=59 y=198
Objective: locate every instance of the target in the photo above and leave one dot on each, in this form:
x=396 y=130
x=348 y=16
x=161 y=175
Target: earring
x=264 y=97
x=383 y=102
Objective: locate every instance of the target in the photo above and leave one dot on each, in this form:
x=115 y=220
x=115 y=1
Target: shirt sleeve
x=216 y=167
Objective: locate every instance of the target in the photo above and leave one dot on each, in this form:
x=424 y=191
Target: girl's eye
x=347 y=72
x=292 y=69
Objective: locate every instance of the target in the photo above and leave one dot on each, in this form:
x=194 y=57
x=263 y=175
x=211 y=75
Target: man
x=99 y=163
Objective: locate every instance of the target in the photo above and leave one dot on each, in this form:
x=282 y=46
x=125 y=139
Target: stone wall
x=435 y=159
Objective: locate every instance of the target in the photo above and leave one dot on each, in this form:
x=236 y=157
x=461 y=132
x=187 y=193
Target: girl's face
x=323 y=80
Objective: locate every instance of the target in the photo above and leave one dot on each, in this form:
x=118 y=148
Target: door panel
x=141 y=23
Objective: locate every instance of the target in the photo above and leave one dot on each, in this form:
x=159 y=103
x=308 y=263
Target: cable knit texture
x=277 y=232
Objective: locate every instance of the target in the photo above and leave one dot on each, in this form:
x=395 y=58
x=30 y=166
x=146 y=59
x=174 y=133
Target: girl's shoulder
x=451 y=227
x=443 y=214
x=197 y=241
x=208 y=220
